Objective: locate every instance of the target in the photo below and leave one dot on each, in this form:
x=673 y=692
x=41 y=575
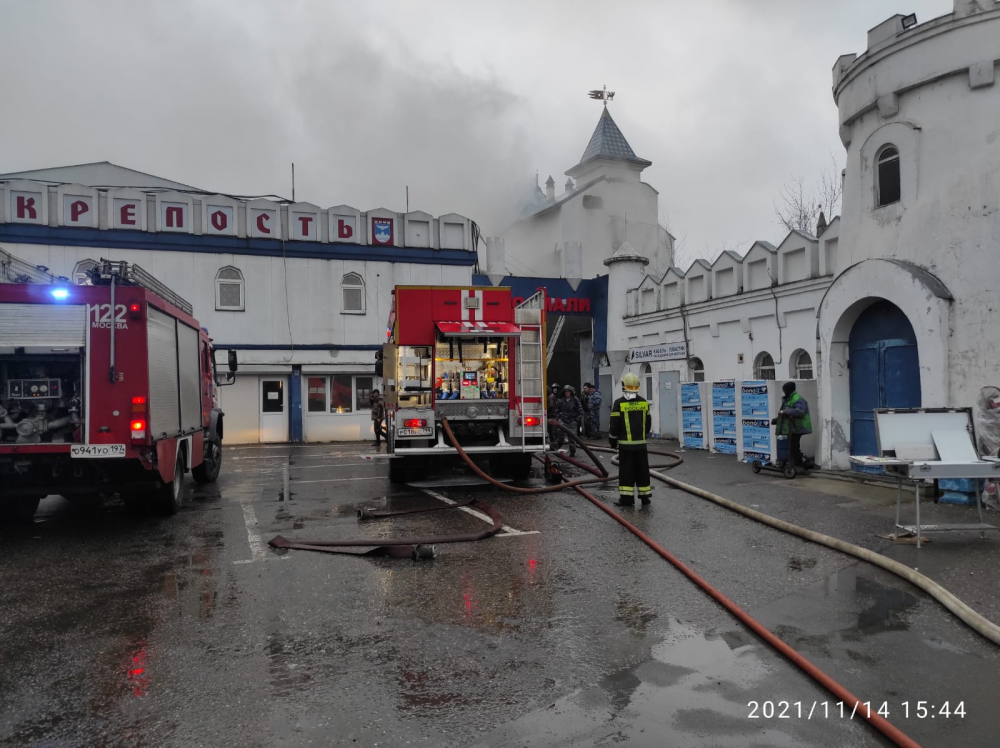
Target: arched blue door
x=885 y=371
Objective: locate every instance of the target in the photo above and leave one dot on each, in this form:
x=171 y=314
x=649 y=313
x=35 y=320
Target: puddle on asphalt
x=692 y=690
x=846 y=606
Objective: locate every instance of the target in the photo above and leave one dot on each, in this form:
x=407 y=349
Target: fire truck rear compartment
x=47 y=474
x=41 y=398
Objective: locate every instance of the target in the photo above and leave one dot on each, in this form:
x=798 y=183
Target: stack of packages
x=988 y=431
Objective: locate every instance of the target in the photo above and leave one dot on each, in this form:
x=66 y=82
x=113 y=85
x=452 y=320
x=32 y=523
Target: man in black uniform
x=630 y=424
x=568 y=413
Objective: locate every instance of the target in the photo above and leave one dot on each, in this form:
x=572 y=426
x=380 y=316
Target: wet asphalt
x=564 y=630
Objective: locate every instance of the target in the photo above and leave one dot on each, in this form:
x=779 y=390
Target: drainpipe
x=295 y=401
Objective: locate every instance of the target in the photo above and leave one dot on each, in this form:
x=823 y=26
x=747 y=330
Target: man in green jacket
x=793 y=421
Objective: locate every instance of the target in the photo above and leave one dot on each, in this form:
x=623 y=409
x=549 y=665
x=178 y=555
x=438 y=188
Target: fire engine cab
x=466 y=354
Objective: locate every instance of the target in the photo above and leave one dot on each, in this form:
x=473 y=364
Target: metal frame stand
x=982 y=527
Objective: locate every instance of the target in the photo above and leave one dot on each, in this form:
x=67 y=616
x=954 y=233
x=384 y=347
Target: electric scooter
x=784 y=464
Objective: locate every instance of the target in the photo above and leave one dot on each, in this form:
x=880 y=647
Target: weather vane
x=602 y=95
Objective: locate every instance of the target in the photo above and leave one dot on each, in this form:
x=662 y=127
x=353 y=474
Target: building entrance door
x=884 y=372
x=670 y=384
x=273 y=409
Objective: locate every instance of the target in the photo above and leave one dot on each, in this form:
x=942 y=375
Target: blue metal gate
x=884 y=372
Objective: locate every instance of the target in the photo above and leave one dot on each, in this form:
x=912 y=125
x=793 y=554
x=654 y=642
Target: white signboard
x=662 y=352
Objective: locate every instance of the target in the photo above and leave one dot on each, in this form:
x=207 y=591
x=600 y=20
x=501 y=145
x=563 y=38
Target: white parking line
x=341 y=480
x=507 y=530
x=257 y=550
x=301 y=467
x=253 y=537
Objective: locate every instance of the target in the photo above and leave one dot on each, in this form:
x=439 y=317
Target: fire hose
x=875 y=720
x=397 y=548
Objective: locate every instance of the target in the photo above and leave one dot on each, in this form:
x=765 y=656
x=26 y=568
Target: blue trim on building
x=20 y=233
x=295 y=400
x=595 y=289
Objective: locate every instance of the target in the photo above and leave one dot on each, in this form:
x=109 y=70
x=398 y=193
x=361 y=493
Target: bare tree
x=798 y=209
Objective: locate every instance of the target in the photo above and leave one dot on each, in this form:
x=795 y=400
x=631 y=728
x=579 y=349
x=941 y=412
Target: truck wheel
x=208 y=470
x=399 y=470
x=135 y=503
x=170 y=497
x=522 y=467
x=87 y=503
x=20 y=509
x=517 y=466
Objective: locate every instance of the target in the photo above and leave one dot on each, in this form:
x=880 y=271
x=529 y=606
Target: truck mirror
x=233 y=364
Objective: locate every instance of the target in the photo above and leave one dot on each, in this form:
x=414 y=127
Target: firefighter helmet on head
x=630 y=382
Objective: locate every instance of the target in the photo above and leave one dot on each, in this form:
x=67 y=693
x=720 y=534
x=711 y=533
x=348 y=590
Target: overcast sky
x=462 y=101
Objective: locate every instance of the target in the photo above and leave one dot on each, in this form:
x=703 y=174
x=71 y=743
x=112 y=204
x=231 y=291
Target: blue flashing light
x=60 y=293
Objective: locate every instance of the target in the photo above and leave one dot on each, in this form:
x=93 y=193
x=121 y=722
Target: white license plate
x=97 y=450
x=415 y=432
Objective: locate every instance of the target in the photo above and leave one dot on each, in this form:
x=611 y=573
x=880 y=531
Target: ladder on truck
x=530 y=395
x=112 y=272
x=15 y=270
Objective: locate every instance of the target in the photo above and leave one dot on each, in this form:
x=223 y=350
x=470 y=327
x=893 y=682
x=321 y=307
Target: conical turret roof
x=607 y=142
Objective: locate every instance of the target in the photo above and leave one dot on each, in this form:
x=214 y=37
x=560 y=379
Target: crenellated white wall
x=932 y=92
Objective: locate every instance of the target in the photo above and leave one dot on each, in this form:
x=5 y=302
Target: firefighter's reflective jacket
x=630 y=422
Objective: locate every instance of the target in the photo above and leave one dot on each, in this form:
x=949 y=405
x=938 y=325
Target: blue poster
x=724 y=395
x=754 y=399
x=694 y=440
x=724 y=424
x=690 y=394
x=756 y=438
x=725 y=445
x=692 y=420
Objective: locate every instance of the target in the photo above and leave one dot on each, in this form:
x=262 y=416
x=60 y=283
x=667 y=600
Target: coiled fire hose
x=875 y=720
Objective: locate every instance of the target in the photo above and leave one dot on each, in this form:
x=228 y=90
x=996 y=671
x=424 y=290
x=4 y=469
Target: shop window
x=763 y=366
x=363 y=387
x=802 y=365
x=696 y=370
x=81 y=273
x=887 y=185
x=316 y=394
x=341 y=393
x=352 y=287
x=229 y=290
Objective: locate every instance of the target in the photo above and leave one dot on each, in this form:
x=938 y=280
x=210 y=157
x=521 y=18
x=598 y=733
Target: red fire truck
x=104 y=388
x=466 y=354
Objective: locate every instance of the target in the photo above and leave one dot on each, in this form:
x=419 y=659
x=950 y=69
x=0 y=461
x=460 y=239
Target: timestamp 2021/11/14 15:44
x=860 y=709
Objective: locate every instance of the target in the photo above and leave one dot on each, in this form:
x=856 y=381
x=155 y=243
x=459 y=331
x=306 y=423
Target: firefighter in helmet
x=630 y=424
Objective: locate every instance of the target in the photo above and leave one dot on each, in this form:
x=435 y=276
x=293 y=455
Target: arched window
x=887 y=184
x=763 y=366
x=229 y=296
x=353 y=288
x=81 y=273
x=801 y=365
x=696 y=370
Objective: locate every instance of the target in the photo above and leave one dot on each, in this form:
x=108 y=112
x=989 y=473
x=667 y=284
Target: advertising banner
x=725 y=445
x=692 y=419
x=756 y=425
x=754 y=398
x=724 y=416
x=724 y=395
x=662 y=352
